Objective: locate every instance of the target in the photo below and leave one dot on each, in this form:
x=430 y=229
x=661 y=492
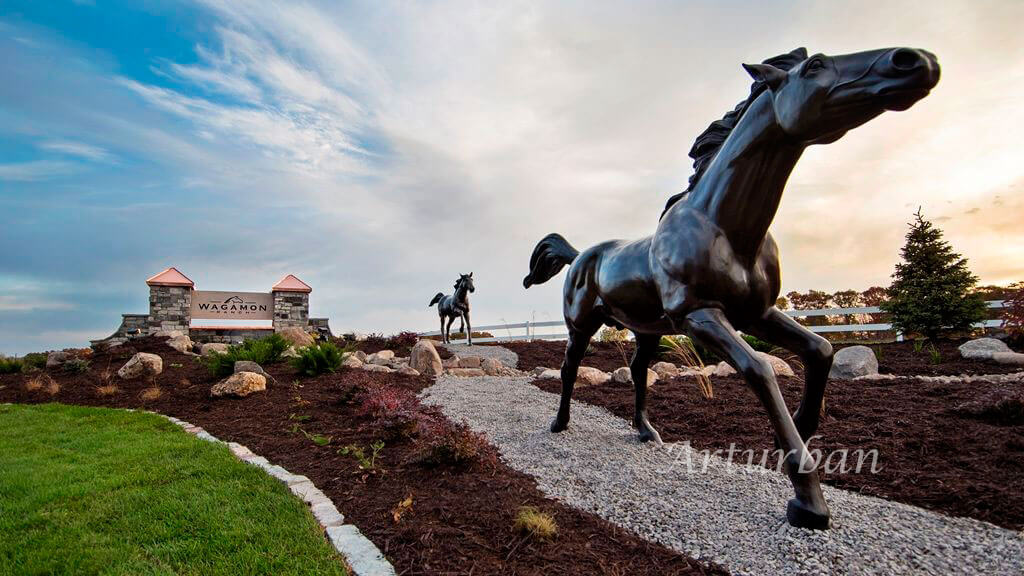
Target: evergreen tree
x=932 y=288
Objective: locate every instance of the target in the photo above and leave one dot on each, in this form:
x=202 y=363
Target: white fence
x=529 y=330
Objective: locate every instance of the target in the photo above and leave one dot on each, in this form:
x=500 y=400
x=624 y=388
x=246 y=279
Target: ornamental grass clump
x=318 y=359
x=536 y=524
x=682 y=351
x=10 y=365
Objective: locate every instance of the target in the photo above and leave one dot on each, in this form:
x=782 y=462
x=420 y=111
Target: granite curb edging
x=362 y=556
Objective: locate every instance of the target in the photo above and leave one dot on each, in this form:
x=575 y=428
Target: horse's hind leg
x=575 y=349
x=444 y=338
x=710 y=327
x=816 y=354
x=448 y=338
x=646 y=347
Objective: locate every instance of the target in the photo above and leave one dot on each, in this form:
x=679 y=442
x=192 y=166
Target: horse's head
x=467 y=281
x=820 y=99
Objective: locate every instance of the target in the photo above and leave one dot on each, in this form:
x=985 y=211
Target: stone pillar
x=170 y=302
x=291 y=303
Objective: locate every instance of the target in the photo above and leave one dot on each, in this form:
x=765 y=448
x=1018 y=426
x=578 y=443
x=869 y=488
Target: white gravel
x=503 y=355
x=734 y=517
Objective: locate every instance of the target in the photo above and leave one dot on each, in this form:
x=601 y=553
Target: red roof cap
x=170 y=277
x=291 y=284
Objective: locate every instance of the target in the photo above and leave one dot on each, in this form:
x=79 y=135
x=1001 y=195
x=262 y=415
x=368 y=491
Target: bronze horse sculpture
x=711 y=268
x=455 y=306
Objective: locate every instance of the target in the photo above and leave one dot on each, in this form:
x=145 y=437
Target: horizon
x=378 y=150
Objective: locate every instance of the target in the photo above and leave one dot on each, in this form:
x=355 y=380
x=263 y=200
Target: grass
x=99 y=491
x=535 y=523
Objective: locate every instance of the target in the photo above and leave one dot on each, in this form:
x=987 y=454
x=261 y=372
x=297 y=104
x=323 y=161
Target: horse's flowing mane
x=707 y=144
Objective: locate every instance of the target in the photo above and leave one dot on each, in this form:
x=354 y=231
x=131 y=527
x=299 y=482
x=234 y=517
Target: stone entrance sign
x=174 y=303
x=214 y=305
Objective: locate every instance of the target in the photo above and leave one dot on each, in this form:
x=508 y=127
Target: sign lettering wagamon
x=215 y=305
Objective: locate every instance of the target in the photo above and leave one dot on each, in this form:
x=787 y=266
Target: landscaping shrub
x=454 y=445
x=266 y=350
x=532 y=522
x=318 y=359
x=1013 y=313
x=610 y=334
x=932 y=288
x=401 y=342
x=33 y=361
x=396 y=410
x=10 y=365
x=76 y=366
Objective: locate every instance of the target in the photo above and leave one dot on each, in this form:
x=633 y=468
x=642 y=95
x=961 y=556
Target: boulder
x=57 y=359
x=408 y=371
x=492 y=367
x=853 y=362
x=779 y=365
x=425 y=360
x=250 y=366
x=591 y=376
x=723 y=369
x=665 y=369
x=382 y=358
x=1010 y=358
x=624 y=376
x=550 y=374
x=218 y=347
x=470 y=362
x=298 y=337
x=165 y=333
x=239 y=384
x=352 y=361
x=376 y=368
x=539 y=370
x=452 y=362
x=181 y=343
x=290 y=352
x=982 y=348
x=466 y=372
x=141 y=365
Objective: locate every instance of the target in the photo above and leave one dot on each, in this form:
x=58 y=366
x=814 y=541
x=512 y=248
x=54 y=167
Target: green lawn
x=98 y=491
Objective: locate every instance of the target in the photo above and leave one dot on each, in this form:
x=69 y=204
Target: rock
x=470 y=362
x=360 y=354
x=298 y=337
x=352 y=361
x=466 y=372
x=181 y=343
x=141 y=365
x=853 y=362
x=382 y=358
x=376 y=368
x=591 y=376
x=539 y=370
x=57 y=359
x=239 y=384
x=779 y=365
x=164 y=333
x=723 y=369
x=250 y=366
x=452 y=362
x=408 y=371
x=624 y=376
x=549 y=374
x=492 y=367
x=218 y=347
x=666 y=369
x=290 y=352
x=1011 y=358
x=425 y=360
x=982 y=348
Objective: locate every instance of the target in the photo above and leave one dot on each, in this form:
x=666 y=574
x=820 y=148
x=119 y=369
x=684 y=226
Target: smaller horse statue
x=455 y=306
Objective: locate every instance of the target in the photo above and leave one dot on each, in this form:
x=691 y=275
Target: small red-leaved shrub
x=454 y=445
x=1013 y=313
x=396 y=410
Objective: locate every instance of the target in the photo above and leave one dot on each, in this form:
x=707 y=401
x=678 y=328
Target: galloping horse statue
x=455 y=306
x=711 y=268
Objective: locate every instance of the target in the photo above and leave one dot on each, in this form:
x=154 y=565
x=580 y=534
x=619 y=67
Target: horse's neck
x=741 y=190
x=461 y=294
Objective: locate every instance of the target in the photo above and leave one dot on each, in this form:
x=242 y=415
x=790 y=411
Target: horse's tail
x=551 y=255
x=436 y=299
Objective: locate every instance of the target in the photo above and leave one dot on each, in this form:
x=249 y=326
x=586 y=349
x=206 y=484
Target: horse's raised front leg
x=646 y=348
x=444 y=339
x=710 y=327
x=816 y=354
x=468 y=328
x=575 y=349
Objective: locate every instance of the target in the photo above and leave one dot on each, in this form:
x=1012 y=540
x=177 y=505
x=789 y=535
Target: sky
x=378 y=149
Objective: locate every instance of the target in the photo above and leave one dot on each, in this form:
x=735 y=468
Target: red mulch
x=893 y=358
x=953 y=448
x=461 y=519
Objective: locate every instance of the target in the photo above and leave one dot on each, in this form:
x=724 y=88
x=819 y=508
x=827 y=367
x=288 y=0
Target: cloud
x=35 y=170
x=78 y=149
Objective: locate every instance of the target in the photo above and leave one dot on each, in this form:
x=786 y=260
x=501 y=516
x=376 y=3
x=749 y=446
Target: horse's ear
x=470 y=274
x=800 y=53
x=766 y=73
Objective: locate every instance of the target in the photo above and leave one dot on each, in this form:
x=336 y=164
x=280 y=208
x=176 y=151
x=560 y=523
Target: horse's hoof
x=802 y=515
x=649 y=434
x=558 y=425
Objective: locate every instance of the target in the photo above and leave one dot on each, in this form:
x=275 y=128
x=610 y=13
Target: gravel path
x=503 y=355
x=733 y=516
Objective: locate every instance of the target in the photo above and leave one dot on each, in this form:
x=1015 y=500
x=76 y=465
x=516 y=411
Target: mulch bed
x=898 y=358
x=461 y=520
x=953 y=448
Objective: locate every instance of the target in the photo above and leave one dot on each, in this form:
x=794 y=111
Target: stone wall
x=291 y=309
x=227 y=335
x=169 y=308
